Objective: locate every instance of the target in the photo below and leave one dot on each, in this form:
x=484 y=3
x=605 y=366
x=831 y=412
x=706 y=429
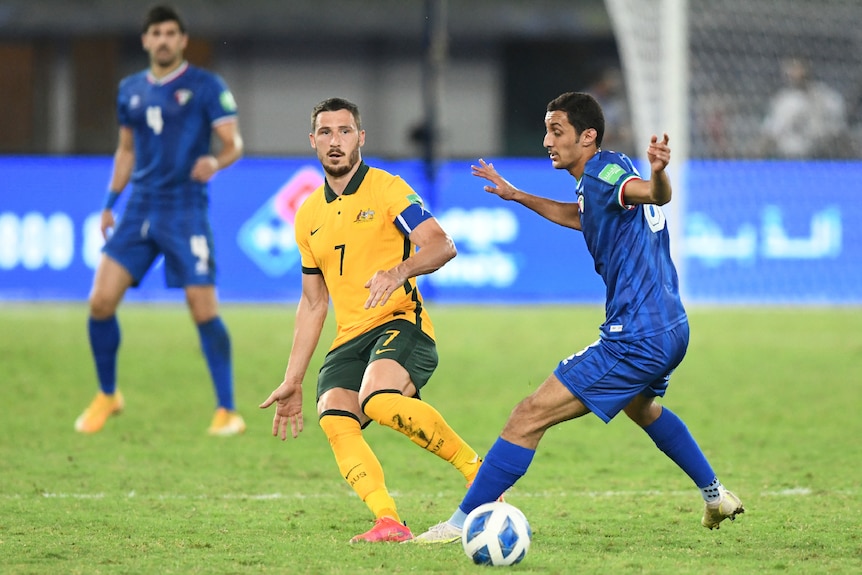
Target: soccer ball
x=497 y=534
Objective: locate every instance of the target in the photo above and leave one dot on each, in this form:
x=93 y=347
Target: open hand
x=501 y=186
x=288 y=396
x=382 y=285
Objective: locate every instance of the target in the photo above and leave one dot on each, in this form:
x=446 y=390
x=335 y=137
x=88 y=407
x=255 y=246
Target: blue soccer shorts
x=184 y=238
x=607 y=375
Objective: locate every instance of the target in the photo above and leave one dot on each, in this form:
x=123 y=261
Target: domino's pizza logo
x=268 y=236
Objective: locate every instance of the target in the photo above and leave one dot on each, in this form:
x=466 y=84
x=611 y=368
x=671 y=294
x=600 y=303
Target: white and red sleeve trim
x=621 y=199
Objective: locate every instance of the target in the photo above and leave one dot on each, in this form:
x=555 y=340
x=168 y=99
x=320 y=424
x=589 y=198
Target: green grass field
x=772 y=395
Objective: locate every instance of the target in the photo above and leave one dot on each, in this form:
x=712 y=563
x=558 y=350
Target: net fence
x=763 y=78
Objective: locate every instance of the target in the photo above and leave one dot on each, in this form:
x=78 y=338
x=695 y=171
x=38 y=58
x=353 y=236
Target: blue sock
x=672 y=436
x=215 y=342
x=502 y=467
x=104 y=343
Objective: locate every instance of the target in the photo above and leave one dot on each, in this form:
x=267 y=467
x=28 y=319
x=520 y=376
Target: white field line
x=791 y=492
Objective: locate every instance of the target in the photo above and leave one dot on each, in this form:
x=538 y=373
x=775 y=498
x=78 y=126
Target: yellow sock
x=358 y=464
x=425 y=427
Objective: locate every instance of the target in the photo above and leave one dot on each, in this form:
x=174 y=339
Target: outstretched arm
x=563 y=213
x=657 y=190
x=310 y=315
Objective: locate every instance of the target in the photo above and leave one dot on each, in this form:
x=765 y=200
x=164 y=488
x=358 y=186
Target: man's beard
x=165 y=58
x=340 y=170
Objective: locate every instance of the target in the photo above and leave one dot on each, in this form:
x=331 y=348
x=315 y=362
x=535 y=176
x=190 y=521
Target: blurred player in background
x=167 y=115
x=645 y=333
x=357 y=235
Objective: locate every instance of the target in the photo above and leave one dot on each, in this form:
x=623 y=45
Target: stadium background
x=441 y=83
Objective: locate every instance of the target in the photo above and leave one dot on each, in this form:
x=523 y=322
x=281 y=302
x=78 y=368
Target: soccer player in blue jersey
x=167 y=115
x=645 y=333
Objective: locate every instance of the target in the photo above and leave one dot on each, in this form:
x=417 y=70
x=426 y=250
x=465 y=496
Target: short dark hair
x=162 y=13
x=582 y=111
x=333 y=105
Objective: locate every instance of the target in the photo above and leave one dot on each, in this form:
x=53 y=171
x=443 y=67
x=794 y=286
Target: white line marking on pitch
x=790 y=492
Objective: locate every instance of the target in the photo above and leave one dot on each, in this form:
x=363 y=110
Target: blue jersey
x=172 y=120
x=631 y=249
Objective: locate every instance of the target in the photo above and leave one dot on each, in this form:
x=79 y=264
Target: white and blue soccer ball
x=496 y=533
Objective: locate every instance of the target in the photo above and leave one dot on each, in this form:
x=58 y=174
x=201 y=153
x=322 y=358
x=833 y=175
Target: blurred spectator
x=806 y=118
x=608 y=90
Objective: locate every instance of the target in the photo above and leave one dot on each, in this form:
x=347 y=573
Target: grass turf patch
x=771 y=395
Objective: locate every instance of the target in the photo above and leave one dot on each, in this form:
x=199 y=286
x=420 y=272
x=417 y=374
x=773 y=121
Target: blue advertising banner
x=507 y=253
x=776 y=232
x=753 y=232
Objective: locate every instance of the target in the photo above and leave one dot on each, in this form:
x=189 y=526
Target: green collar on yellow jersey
x=352 y=186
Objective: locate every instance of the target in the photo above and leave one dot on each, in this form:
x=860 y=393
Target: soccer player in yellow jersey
x=358 y=236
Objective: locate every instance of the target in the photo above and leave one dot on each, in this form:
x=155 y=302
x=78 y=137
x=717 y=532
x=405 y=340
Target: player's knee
x=202 y=311
x=643 y=411
x=525 y=420
x=528 y=410
x=336 y=425
x=534 y=415
x=379 y=404
x=101 y=305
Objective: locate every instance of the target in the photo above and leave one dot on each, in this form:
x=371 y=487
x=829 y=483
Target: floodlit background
x=770 y=390
x=762 y=100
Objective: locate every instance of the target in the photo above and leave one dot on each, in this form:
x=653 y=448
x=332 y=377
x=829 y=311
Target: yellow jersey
x=349 y=238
